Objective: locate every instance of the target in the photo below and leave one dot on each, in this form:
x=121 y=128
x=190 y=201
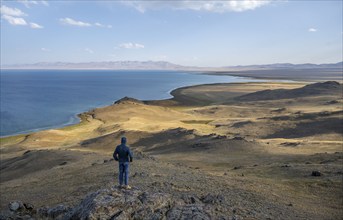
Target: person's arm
x=115 y=154
x=130 y=155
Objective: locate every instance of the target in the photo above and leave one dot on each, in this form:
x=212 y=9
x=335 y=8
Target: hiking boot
x=127 y=187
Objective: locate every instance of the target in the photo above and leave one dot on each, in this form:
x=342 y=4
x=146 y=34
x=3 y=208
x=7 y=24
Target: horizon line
x=160 y=61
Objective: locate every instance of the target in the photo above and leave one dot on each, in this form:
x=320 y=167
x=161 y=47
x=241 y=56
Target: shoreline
x=66 y=121
x=174 y=93
x=77 y=120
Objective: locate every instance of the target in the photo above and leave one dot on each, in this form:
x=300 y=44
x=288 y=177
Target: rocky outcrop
x=115 y=203
x=128 y=100
x=122 y=204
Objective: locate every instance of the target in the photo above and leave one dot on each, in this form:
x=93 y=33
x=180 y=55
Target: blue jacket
x=122 y=152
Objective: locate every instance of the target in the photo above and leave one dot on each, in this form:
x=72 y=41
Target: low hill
x=316 y=89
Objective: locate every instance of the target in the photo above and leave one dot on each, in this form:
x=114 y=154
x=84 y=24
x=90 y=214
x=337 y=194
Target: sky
x=191 y=33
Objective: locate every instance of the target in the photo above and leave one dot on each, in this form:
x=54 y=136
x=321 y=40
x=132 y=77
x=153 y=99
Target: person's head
x=123 y=140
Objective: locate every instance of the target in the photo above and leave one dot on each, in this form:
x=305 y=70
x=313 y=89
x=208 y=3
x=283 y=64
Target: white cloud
x=45 y=3
x=45 y=49
x=99 y=25
x=69 y=21
x=89 y=50
x=14 y=20
x=210 y=6
x=131 y=46
x=28 y=3
x=11 y=11
x=312 y=30
x=35 y=25
x=14 y=17
x=102 y=25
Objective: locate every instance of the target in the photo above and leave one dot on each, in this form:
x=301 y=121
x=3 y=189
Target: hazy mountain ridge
x=291 y=66
x=161 y=65
x=118 y=65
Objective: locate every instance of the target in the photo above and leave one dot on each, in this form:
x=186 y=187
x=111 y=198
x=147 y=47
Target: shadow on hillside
x=305 y=129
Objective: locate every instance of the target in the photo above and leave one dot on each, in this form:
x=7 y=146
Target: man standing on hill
x=123 y=155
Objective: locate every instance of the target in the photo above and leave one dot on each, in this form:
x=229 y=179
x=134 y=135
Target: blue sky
x=194 y=33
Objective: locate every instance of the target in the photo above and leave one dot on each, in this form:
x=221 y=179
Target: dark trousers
x=124 y=173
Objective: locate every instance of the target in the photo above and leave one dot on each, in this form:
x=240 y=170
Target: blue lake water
x=33 y=100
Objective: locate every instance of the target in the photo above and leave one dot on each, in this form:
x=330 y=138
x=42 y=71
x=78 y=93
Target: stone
x=28 y=206
x=316 y=173
x=15 y=206
x=63 y=163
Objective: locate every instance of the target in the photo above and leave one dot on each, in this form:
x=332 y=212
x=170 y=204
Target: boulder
x=316 y=173
x=15 y=206
x=115 y=203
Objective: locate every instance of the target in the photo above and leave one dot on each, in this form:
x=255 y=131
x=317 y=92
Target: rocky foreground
x=114 y=203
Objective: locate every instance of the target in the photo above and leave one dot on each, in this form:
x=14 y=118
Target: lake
x=33 y=100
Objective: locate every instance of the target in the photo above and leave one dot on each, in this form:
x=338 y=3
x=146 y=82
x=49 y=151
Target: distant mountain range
x=162 y=65
x=116 y=65
x=290 y=66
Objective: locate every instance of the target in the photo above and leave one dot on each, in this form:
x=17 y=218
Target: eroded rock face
x=115 y=203
x=122 y=204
